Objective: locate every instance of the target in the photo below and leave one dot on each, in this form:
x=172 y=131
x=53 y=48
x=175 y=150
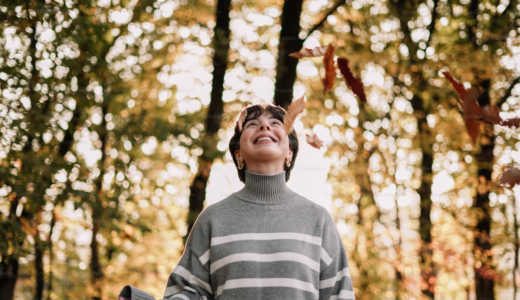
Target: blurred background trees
x=114 y=113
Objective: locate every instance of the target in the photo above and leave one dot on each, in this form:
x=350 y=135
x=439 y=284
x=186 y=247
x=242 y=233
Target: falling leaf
x=19 y=161
x=354 y=83
x=472 y=113
x=491 y=114
x=242 y=117
x=330 y=70
x=314 y=141
x=514 y=122
x=306 y=52
x=510 y=177
x=459 y=87
x=293 y=111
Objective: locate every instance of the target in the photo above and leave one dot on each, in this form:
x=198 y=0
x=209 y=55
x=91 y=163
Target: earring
x=287 y=163
x=241 y=165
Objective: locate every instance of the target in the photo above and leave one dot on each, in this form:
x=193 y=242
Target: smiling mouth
x=264 y=140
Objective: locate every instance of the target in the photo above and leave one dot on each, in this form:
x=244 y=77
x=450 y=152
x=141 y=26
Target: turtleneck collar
x=265 y=189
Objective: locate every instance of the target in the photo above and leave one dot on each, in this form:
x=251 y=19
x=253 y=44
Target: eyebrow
x=271 y=117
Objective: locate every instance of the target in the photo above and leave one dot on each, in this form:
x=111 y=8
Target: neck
x=265 y=189
x=266 y=168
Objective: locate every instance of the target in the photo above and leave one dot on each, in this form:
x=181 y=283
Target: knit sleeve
x=190 y=279
x=335 y=280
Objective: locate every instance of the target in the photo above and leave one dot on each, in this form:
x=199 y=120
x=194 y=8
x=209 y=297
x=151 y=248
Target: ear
x=238 y=156
x=290 y=154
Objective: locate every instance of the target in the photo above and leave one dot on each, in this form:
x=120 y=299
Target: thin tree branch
x=330 y=12
x=431 y=27
x=508 y=92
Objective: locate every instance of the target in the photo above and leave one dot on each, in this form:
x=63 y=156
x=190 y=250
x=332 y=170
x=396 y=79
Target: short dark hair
x=253 y=112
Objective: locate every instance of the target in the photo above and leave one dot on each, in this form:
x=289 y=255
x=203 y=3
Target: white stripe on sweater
x=181 y=271
x=205 y=257
x=268 y=236
x=344 y=294
x=181 y=296
x=325 y=257
x=175 y=289
x=268 y=257
x=332 y=281
x=267 y=282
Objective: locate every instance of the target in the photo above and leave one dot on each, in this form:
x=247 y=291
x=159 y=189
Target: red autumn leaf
x=330 y=70
x=314 y=141
x=472 y=113
x=354 y=83
x=293 y=111
x=514 y=123
x=459 y=87
x=510 y=177
x=306 y=52
x=491 y=114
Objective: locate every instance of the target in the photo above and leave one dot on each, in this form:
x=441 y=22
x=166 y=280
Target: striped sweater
x=262 y=242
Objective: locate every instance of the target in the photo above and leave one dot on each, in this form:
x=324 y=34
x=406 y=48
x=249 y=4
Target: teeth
x=263 y=139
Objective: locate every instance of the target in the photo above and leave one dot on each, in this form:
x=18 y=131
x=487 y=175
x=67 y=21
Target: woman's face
x=263 y=141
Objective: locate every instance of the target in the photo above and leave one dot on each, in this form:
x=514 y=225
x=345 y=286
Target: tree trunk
x=51 y=256
x=367 y=210
x=97 y=209
x=8 y=276
x=38 y=259
x=214 y=117
x=428 y=272
x=484 y=283
x=517 y=245
x=9 y=265
x=289 y=42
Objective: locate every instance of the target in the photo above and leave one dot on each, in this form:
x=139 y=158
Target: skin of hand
x=268 y=157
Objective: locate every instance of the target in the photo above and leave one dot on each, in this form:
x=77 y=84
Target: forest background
x=116 y=117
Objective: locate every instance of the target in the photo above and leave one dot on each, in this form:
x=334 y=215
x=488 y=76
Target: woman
x=264 y=241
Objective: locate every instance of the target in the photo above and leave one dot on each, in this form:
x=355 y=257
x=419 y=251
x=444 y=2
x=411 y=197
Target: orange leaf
x=354 y=83
x=459 y=87
x=514 y=122
x=491 y=114
x=242 y=117
x=19 y=161
x=293 y=111
x=306 y=52
x=510 y=177
x=472 y=113
x=330 y=70
x=314 y=141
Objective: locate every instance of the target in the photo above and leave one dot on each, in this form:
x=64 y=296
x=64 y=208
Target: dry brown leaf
x=472 y=113
x=491 y=114
x=293 y=111
x=314 y=141
x=241 y=118
x=513 y=122
x=330 y=70
x=510 y=177
x=353 y=82
x=306 y=52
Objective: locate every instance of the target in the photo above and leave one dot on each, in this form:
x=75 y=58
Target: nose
x=264 y=126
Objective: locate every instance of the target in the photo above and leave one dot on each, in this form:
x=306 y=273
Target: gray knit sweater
x=262 y=242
